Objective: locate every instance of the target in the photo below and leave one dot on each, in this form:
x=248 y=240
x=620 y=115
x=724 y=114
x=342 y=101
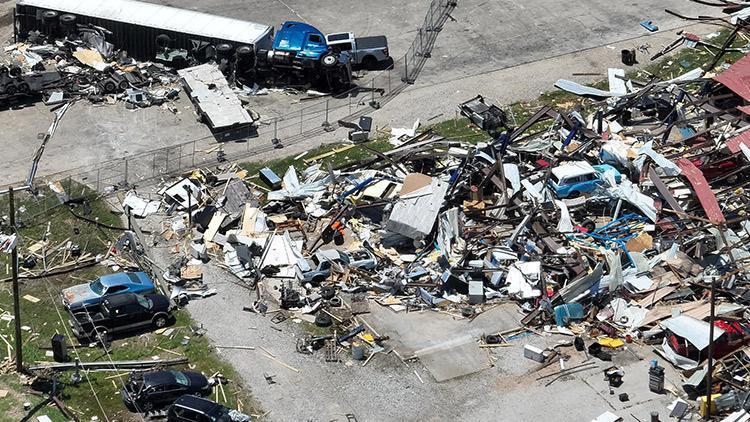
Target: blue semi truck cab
x=301 y=46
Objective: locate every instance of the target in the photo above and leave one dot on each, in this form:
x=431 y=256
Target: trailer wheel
x=67 y=19
x=10 y=90
x=123 y=85
x=24 y=88
x=15 y=71
x=329 y=60
x=163 y=41
x=244 y=51
x=49 y=15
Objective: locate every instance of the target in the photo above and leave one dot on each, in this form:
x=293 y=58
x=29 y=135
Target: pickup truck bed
x=366 y=43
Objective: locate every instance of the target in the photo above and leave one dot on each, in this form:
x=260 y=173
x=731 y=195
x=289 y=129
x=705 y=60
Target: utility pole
x=14 y=272
x=189 y=191
x=709 y=380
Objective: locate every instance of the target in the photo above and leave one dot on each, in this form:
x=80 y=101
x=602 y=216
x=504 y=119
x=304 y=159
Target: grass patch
x=42 y=214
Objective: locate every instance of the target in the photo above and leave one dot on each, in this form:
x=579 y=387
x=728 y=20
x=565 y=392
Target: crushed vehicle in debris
x=573 y=179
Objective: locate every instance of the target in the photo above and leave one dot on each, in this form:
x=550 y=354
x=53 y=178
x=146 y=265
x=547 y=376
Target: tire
x=329 y=60
x=327 y=293
x=10 y=90
x=335 y=302
x=146 y=407
x=67 y=19
x=163 y=41
x=589 y=225
x=244 y=51
x=160 y=321
x=323 y=320
x=100 y=335
x=318 y=279
x=224 y=48
x=492 y=339
x=123 y=85
x=109 y=86
x=49 y=15
x=24 y=88
x=369 y=62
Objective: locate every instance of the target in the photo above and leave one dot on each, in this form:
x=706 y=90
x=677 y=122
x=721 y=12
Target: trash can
x=628 y=57
x=59 y=348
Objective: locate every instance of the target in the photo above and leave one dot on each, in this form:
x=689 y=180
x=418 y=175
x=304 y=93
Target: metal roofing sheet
x=158 y=16
x=734 y=143
x=737 y=77
x=213 y=96
x=573 y=169
x=702 y=189
x=694 y=330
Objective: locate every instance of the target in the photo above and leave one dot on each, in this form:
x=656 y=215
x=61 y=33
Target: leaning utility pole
x=14 y=272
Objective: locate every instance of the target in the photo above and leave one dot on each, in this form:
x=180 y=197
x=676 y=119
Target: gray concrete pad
x=415 y=331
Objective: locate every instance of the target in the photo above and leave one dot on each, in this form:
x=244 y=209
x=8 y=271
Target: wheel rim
x=329 y=60
x=160 y=322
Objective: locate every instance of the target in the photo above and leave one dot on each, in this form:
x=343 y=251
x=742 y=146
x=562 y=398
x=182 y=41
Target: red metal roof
x=734 y=143
x=737 y=77
x=702 y=190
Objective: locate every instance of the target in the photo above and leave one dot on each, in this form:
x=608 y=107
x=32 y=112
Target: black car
x=122 y=312
x=155 y=390
x=195 y=409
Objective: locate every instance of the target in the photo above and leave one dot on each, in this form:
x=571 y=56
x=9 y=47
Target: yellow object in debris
x=702 y=406
x=367 y=337
x=612 y=343
x=31 y=298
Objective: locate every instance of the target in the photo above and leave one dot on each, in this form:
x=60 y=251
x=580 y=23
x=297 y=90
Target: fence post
x=301 y=116
x=166 y=161
x=194 y=141
x=98 y=173
x=153 y=166
x=126 y=171
x=179 y=159
x=406 y=67
x=389 y=82
x=421 y=46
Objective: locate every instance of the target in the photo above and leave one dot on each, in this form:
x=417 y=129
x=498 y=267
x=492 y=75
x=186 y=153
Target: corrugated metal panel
x=734 y=143
x=157 y=16
x=737 y=77
x=702 y=189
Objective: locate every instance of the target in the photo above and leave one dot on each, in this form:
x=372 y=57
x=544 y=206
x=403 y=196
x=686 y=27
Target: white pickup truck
x=365 y=51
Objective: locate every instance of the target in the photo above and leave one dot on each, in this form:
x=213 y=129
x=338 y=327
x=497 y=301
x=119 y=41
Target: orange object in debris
x=338 y=226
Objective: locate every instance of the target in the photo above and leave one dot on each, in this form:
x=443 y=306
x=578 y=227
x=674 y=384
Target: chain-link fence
x=307 y=121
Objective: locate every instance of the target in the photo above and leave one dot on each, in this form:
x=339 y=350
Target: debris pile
x=82 y=64
x=623 y=220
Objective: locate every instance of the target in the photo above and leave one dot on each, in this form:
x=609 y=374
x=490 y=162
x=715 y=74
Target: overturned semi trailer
x=143 y=29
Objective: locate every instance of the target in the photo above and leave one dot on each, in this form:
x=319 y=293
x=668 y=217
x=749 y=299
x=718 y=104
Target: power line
x=75 y=350
x=103 y=340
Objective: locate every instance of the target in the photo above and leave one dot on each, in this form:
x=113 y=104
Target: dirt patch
x=6 y=19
